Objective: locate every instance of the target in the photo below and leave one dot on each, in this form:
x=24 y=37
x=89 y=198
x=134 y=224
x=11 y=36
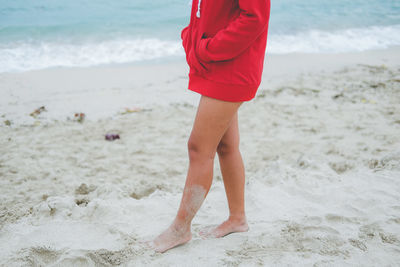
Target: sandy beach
x=320 y=142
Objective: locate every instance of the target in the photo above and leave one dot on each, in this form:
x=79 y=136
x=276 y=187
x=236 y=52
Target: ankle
x=238 y=218
x=181 y=225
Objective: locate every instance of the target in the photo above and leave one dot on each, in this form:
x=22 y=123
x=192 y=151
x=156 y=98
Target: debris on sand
x=37 y=111
x=111 y=136
x=79 y=117
x=131 y=110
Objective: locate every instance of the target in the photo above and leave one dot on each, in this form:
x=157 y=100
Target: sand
x=321 y=145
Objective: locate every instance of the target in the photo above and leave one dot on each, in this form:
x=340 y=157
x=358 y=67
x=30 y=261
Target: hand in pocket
x=202 y=50
x=195 y=63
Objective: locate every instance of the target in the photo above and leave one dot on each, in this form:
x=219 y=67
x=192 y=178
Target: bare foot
x=170 y=238
x=227 y=227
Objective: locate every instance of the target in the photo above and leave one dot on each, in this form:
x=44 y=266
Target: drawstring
x=198 y=9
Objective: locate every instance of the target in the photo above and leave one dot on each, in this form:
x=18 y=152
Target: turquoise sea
x=50 y=33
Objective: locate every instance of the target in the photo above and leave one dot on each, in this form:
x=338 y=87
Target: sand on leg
x=233 y=174
x=213 y=118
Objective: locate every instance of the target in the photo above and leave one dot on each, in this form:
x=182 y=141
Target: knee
x=198 y=151
x=225 y=148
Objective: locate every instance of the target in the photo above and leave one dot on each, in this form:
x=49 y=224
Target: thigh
x=213 y=118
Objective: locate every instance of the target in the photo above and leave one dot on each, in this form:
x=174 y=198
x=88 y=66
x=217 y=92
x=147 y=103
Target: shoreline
x=65 y=91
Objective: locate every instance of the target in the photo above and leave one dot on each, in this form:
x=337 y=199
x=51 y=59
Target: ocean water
x=50 y=33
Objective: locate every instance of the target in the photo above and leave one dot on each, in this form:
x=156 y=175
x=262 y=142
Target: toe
x=203 y=234
x=149 y=244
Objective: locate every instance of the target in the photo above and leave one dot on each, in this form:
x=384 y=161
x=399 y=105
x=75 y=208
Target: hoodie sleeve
x=239 y=34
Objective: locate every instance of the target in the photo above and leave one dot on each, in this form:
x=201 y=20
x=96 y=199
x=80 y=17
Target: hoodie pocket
x=189 y=41
x=195 y=63
x=184 y=37
x=218 y=71
x=206 y=65
x=186 y=42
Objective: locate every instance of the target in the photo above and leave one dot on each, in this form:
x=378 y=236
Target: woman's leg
x=232 y=169
x=212 y=120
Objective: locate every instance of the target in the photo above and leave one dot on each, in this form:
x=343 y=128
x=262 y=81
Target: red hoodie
x=225 y=45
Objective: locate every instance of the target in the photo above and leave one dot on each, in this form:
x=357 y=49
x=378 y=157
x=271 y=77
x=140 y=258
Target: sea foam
x=339 y=41
x=23 y=56
x=30 y=56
